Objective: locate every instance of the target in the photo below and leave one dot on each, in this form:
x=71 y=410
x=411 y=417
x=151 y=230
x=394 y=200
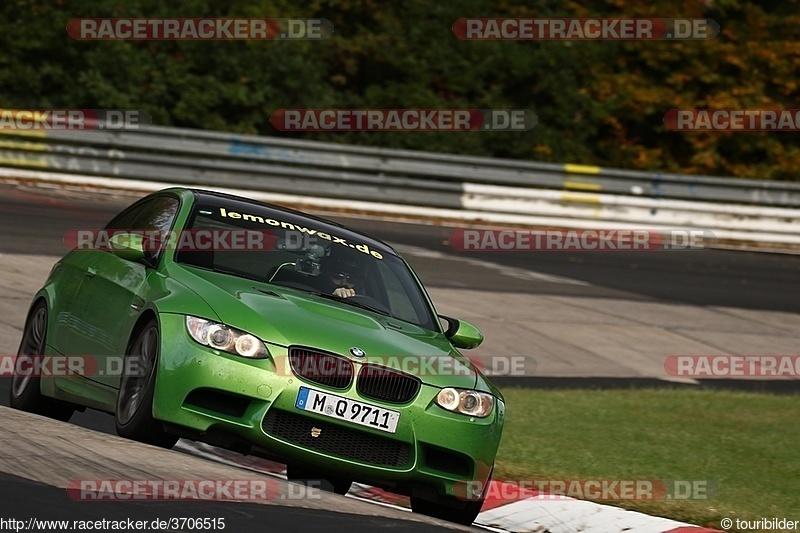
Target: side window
x=157 y=214
x=154 y=215
x=124 y=220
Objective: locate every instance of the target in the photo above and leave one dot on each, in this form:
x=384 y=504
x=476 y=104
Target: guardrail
x=497 y=189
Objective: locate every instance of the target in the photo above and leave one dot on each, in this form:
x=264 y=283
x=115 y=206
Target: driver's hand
x=344 y=292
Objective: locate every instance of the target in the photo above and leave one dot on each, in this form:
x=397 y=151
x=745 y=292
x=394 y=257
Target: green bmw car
x=268 y=332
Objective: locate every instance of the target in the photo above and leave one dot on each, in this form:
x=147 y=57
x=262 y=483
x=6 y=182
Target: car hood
x=288 y=317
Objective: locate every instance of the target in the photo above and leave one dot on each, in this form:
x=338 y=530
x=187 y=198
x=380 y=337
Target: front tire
x=452 y=509
x=133 y=415
x=448 y=508
x=298 y=474
x=25 y=393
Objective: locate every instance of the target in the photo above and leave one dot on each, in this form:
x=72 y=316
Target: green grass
x=745 y=444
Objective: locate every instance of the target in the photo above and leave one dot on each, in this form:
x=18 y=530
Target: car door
x=69 y=274
x=72 y=334
x=112 y=295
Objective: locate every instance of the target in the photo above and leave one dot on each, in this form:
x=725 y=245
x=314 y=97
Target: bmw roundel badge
x=357 y=352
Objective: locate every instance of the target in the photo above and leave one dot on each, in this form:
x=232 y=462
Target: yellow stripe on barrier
x=583 y=198
x=581 y=169
x=10 y=159
x=39 y=134
x=579 y=186
x=23 y=145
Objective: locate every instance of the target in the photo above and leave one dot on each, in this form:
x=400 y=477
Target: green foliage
x=598 y=102
x=740 y=443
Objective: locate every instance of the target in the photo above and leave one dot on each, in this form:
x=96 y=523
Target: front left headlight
x=466 y=402
x=225 y=338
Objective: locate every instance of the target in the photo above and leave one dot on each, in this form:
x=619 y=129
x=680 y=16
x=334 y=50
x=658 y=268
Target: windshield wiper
x=348 y=301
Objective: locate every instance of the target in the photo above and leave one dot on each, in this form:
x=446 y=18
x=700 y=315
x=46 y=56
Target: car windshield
x=283 y=248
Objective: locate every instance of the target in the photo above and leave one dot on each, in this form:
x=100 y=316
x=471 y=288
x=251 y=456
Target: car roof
x=294 y=216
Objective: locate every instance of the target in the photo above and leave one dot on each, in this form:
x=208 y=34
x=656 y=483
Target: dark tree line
x=598 y=103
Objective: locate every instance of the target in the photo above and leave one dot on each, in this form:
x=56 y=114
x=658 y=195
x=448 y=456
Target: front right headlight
x=225 y=338
x=466 y=402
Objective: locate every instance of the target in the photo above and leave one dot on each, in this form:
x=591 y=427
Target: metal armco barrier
x=497 y=189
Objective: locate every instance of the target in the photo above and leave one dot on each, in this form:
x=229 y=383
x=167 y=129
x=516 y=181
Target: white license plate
x=346 y=409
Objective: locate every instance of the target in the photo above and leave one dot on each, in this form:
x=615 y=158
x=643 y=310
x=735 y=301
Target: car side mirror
x=128 y=246
x=461 y=333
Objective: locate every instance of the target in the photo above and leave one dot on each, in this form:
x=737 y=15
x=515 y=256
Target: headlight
x=466 y=402
x=225 y=338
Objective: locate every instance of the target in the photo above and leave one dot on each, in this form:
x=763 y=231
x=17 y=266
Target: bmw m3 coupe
x=269 y=332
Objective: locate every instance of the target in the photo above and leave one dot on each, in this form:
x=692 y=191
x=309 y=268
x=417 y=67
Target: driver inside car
x=342 y=278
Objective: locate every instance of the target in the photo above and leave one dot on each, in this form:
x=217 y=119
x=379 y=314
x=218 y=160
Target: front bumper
x=212 y=392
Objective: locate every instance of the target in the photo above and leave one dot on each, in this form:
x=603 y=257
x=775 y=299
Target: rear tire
x=311 y=479
x=133 y=415
x=25 y=393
